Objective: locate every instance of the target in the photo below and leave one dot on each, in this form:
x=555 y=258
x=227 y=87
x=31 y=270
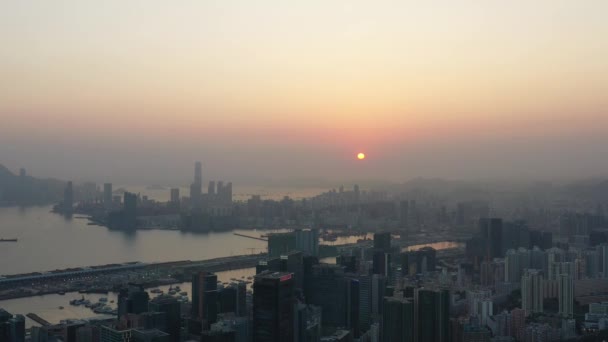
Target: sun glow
x=361 y=156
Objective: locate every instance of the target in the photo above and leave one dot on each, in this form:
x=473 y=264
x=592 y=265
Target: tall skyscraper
x=273 y=307
x=175 y=196
x=204 y=284
x=107 y=196
x=382 y=263
x=130 y=210
x=132 y=299
x=491 y=230
x=532 y=291
x=382 y=241
x=566 y=294
x=171 y=307
x=307 y=241
x=68 y=198
x=398 y=320
x=432 y=315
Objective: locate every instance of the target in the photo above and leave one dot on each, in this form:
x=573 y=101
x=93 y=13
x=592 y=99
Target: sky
x=136 y=91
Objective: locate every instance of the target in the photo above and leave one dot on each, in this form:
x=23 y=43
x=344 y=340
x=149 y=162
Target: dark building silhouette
x=204 y=297
x=381 y=263
x=132 y=299
x=491 y=230
x=432 y=315
x=171 y=307
x=68 y=199
x=12 y=327
x=281 y=243
x=397 y=320
x=382 y=241
x=273 y=307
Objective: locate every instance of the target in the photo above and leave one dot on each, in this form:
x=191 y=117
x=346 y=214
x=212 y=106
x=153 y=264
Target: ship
x=8 y=240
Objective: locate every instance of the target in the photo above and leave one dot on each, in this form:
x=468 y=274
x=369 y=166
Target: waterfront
x=48 y=241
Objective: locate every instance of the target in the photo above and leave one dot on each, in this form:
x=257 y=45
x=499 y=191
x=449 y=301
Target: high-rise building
x=566 y=294
x=382 y=241
x=432 y=315
x=352 y=293
x=532 y=291
x=602 y=251
x=398 y=320
x=130 y=210
x=204 y=291
x=107 y=196
x=211 y=188
x=491 y=230
x=171 y=307
x=132 y=300
x=175 y=196
x=281 y=243
x=12 y=328
x=273 y=307
x=382 y=263
x=68 y=198
x=307 y=241
x=328 y=292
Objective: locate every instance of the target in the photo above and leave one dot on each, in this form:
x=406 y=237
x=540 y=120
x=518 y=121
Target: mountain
x=27 y=190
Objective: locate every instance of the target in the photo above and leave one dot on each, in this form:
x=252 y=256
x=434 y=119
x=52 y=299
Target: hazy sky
x=127 y=90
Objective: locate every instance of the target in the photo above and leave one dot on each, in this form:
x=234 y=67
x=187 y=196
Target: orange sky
x=326 y=78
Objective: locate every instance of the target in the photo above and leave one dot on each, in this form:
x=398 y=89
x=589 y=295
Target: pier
x=38 y=319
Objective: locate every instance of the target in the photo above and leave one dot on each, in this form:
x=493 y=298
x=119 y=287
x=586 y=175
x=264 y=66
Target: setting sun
x=361 y=156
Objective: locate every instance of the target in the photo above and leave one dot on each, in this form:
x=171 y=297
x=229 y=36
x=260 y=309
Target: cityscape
x=316 y=171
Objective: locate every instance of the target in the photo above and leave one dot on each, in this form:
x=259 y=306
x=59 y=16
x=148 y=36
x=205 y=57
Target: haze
x=138 y=90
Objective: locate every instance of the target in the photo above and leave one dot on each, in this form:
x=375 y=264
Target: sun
x=361 y=156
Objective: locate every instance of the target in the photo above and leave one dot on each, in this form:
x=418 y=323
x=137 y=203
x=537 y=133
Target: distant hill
x=27 y=190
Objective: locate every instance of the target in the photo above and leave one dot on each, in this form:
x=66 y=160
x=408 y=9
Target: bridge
x=251 y=237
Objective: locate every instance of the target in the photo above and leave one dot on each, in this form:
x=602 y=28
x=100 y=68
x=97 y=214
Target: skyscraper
x=398 y=320
x=491 y=230
x=532 y=291
x=566 y=294
x=203 y=306
x=382 y=241
x=107 y=196
x=432 y=315
x=68 y=198
x=171 y=307
x=132 y=299
x=175 y=196
x=307 y=241
x=273 y=307
x=130 y=210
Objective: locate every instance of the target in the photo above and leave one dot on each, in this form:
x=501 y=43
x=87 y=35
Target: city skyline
x=458 y=90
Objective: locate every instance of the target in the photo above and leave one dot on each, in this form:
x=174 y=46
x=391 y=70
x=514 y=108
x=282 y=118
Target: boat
x=61 y=308
x=183 y=293
x=8 y=240
x=156 y=291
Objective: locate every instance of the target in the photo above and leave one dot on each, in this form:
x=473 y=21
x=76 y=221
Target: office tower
x=404 y=214
x=491 y=230
x=292 y=262
x=308 y=323
x=175 y=195
x=352 y=300
x=381 y=263
x=382 y=241
x=307 y=241
x=132 y=299
x=107 y=196
x=532 y=291
x=12 y=328
x=273 y=307
x=204 y=294
x=196 y=197
x=227 y=197
x=68 y=198
x=281 y=243
x=378 y=289
x=398 y=320
x=328 y=292
x=350 y=263
x=130 y=210
x=211 y=188
x=432 y=315
x=602 y=251
x=566 y=294
x=171 y=307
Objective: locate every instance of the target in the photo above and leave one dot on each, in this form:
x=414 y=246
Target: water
x=48 y=241
x=47 y=306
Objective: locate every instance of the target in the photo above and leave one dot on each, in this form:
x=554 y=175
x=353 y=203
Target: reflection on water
x=435 y=245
